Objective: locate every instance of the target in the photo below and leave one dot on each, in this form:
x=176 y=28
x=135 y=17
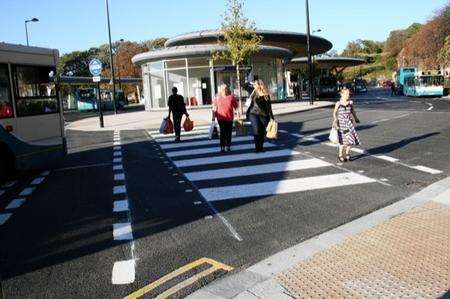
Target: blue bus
x=414 y=83
x=31 y=120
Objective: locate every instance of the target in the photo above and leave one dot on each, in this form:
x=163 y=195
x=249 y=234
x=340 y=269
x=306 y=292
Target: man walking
x=177 y=107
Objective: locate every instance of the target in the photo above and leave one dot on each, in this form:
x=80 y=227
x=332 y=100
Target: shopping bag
x=168 y=128
x=272 y=130
x=334 y=138
x=188 y=125
x=213 y=131
x=241 y=129
x=162 y=126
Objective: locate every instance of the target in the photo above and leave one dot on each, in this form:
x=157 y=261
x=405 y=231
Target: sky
x=70 y=25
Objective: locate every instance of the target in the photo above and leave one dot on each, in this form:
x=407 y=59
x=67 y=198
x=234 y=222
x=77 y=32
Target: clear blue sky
x=79 y=24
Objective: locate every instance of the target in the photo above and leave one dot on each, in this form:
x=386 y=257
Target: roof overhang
x=326 y=62
x=202 y=50
x=295 y=42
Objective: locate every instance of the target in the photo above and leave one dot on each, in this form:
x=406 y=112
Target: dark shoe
x=177 y=139
x=228 y=149
x=347 y=158
x=222 y=150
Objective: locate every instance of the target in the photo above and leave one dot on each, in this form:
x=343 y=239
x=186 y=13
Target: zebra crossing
x=242 y=173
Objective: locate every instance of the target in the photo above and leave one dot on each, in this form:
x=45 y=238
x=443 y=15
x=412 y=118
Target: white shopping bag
x=213 y=131
x=334 y=138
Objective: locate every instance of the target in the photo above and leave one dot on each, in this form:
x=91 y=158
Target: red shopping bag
x=188 y=125
x=168 y=127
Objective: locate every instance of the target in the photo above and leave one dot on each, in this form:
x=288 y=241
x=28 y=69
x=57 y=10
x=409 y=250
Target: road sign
x=96 y=78
x=95 y=67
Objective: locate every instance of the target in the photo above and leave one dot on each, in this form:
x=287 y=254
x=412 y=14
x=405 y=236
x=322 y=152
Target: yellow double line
x=215 y=266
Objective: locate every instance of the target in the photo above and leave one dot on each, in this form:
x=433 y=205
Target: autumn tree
x=154 y=44
x=239 y=38
x=444 y=54
x=423 y=48
x=395 y=43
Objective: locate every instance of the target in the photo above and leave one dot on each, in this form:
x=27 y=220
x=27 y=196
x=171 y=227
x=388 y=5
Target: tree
x=444 y=54
x=238 y=36
x=395 y=43
x=423 y=48
x=353 y=49
x=154 y=44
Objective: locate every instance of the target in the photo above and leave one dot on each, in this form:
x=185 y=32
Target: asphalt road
x=186 y=201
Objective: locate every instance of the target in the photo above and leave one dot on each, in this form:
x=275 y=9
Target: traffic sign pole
x=100 y=104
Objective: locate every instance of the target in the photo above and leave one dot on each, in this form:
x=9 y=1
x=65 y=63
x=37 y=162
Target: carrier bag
x=334 y=138
x=272 y=130
x=213 y=131
x=188 y=125
x=241 y=129
x=168 y=128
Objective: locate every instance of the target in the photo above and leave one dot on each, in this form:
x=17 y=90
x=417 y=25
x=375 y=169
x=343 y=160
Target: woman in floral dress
x=344 y=119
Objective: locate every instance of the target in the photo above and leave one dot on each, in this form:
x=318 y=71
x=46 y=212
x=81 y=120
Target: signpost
x=95 y=67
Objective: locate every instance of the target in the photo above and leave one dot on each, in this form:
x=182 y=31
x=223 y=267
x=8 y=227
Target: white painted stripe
x=117 y=143
x=37 y=181
x=298 y=135
x=284 y=186
x=123 y=272
x=27 y=191
x=387 y=158
x=9 y=184
x=15 y=203
x=117 y=148
x=120 y=189
x=257 y=169
x=283 y=131
x=118 y=167
x=427 y=169
x=117 y=153
x=196 y=128
x=119 y=177
x=2 y=192
x=358 y=150
x=203 y=142
x=169 y=139
x=159 y=135
x=121 y=206
x=45 y=173
x=213 y=149
x=4 y=218
x=116 y=138
x=122 y=231
x=117 y=160
x=234 y=158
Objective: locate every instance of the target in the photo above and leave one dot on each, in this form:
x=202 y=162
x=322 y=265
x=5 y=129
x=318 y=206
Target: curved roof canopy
x=295 y=42
x=326 y=62
x=200 y=50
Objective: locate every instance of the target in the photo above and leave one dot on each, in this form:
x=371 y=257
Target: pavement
x=152 y=119
x=398 y=251
x=130 y=213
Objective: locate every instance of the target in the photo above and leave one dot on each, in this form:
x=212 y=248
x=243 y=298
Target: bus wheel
x=7 y=164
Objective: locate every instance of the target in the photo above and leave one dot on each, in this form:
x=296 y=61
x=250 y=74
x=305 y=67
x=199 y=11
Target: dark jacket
x=176 y=104
x=261 y=106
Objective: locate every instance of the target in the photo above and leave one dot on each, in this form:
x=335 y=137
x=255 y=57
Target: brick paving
x=405 y=257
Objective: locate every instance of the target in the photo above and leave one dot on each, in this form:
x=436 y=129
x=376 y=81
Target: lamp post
x=111 y=62
x=308 y=44
x=118 y=62
x=26 y=28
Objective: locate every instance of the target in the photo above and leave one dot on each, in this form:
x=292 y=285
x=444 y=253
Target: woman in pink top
x=223 y=110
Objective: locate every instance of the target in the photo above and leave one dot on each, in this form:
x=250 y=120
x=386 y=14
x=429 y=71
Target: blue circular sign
x=95 y=67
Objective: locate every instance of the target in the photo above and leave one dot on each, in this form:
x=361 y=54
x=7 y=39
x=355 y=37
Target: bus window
x=5 y=93
x=35 y=93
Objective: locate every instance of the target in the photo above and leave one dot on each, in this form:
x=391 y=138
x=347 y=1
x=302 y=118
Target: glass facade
x=197 y=79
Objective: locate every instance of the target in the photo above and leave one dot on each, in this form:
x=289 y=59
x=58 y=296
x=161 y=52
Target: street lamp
x=26 y=28
x=308 y=43
x=118 y=61
x=111 y=62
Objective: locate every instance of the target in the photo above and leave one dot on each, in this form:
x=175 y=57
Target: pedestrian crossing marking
x=215 y=266
x=235 y=158
x=161 y=135
x=284 y=186
x=256 y=169
x=209 y=150
x=202 y=142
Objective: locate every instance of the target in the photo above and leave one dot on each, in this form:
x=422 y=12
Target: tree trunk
x=238 y=75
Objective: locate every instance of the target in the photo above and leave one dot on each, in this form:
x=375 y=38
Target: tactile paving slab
x=405 y=257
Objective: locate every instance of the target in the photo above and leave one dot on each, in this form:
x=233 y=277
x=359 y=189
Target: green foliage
x=154 y=44
x=362 y=48
x=238 y=35
x=444 y=54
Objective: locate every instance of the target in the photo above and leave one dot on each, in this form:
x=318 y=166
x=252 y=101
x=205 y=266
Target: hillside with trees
x=426 y=46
